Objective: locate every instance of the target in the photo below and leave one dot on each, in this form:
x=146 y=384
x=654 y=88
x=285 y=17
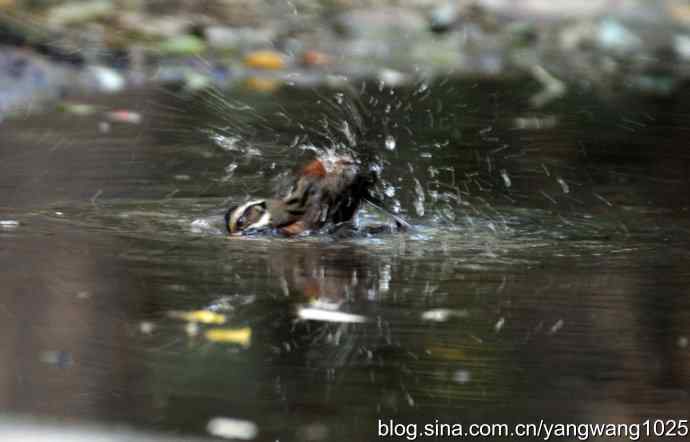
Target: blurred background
x=615 y=45
x=538 y=148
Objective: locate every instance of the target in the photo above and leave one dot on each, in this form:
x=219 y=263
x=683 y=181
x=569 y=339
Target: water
x=546 y=277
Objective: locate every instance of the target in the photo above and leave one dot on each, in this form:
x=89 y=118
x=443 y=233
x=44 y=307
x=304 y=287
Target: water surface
x=546 y=277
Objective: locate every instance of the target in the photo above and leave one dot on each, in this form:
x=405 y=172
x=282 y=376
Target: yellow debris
x=264 y=60
x=447 y=353
x=241 y=336
x=202 y=316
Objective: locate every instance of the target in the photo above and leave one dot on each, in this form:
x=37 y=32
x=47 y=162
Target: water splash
x=564 y=185
x=506 y=178
x=390 y=143
x=420 y=198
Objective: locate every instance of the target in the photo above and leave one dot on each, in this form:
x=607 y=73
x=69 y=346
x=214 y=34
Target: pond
x=546 y=275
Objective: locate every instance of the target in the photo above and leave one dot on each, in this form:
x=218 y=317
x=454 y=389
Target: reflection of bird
x=328 y=190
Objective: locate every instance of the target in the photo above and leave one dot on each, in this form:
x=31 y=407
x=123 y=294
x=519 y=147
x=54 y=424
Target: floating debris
x=682 y=342
x=390 y=142
x=499 y=324
x=231 y=428
x=9 y=224
x=443 y=314
x=201 y=316
x=241 y=336
x=317 y=314
x=124 y=116
x=268 y=60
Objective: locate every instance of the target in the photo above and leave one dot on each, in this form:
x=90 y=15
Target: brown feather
x=293 y=229
x=315 y=168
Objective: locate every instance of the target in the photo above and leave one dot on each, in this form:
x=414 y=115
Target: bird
x=327 y=191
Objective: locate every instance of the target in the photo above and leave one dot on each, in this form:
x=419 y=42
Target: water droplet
x=506 y=178
x=564 y=185
x=390 y=142
x=555 y=327
x=226 y=143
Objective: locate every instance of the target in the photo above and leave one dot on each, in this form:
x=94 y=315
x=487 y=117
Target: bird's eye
x=241 y=221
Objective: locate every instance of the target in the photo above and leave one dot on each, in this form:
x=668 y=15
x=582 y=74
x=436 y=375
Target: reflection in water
x=546 y=276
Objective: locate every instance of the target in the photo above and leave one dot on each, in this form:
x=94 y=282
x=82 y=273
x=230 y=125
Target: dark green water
x=547 y=276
